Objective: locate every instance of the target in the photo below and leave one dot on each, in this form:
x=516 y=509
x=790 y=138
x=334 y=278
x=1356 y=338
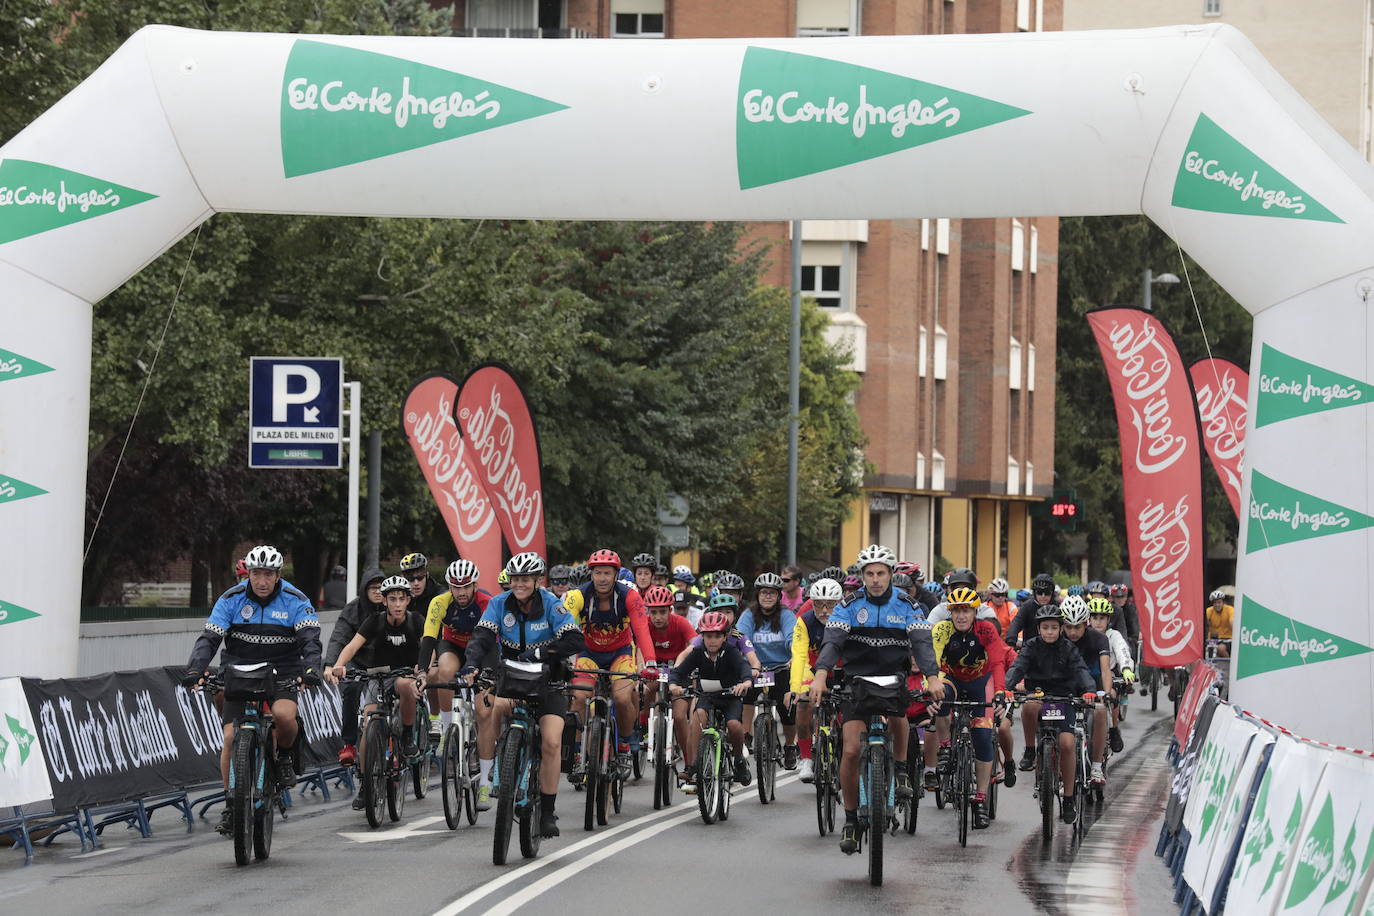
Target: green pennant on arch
x=797 y=114
x=13 y=489
x=13 y=366
x=1279 y=514
x=13 y=613
x=341 y=106
x=1290 y=387
x=36 y=197
x=1270 y=641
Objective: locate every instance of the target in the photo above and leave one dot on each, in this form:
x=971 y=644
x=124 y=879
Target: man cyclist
x=793 y=595
x=1126 y=621
x=560 y=580
x=806 y=645
x=875 y=633
x=1100 y=612
x=1220 y=616
x=265 y=619
x=529 y=624
x=1097 y=658
x=369 y=603
x=1043 y=592
x=393 y=641
x=614 y=625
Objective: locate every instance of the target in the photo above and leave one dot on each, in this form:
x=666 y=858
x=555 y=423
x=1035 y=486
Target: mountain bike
x=961 y=781
x=1053 y=712
x=604 y=781
x=878 y=813
x=662 y=741
x=458 y=762
x=715 y=770
x=766 y=750
x=383 y=768
x=516 y=775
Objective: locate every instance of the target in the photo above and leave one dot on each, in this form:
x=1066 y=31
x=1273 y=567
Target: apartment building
x=951 y=322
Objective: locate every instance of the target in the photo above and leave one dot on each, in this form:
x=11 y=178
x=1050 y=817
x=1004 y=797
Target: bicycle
x=423 y=764
x=914 y=757
x=960 y=779
x=254 y=788
x=1054 y=710
x=715 y=771
x=516 y=777
x=766 y=750
x=458 y=762
x=662 y=742
x=825 y=760
x=383 y=768
x=603 y=780
x=878 y=813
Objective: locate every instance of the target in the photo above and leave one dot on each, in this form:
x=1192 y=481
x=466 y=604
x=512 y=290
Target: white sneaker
x=1097 y=777
x=484 y=798
x=804 y=770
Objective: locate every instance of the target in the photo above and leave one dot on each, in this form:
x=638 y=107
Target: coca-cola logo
x=1223 y=414
x=1145 y=363
x=493 y=437
x=448 y=468
x=1166 y=535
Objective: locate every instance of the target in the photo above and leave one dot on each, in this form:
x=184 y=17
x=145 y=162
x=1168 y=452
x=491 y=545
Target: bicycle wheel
x=911 y=808
x=265 y=818
x=396 y=788
x=451 y=777
x=877 y=812
x=530 y=815
x=1154 y=689
x=1046 y=765
x=374 y=777
x=472 y=773
x=832 y=782
x=591 y=760
x=508 y=755
x=765 y=761
x=243 y=790
x=723 y=806
x=822 y=782
x=963 y=787
x=662 y=775
x=420 y=769
x=708 y=778
x=995 y=778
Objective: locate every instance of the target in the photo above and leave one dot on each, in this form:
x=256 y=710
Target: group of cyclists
x=906 y=648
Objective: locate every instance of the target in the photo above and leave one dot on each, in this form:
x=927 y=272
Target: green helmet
x=721 y=600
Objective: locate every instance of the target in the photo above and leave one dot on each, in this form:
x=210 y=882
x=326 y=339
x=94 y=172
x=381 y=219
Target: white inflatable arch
x=1188 y=125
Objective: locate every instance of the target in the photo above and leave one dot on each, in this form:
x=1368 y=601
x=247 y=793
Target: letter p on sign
x=283 y=397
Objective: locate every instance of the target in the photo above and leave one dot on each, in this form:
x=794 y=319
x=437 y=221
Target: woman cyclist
x=769 y=625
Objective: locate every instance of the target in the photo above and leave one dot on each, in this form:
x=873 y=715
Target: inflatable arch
x=1188 y=125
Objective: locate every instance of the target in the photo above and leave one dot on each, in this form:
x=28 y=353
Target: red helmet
x=658 y=596
x=908 y=567
x=713 y=622
x=240 y=568
x=604 y=557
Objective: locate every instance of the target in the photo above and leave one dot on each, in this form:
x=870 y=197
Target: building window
x=1030 y=367
x=1211 y=7
x=942 y=236
x=1013 y=477
x=941 y=352
x=923 y=342
x=1030 y=479
x=823 y=18
x=1023 y=17
x=920 y=470
x=1014 y=365
x=1035 y=249
x=828 y=274
x=822 y=283
x=637 y=18
x=1018 y=245
x=925 y=234
x=937 y=471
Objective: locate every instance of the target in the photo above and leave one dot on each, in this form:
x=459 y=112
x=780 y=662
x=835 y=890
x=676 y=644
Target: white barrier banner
x=1271 y=833
x=1223 y=760
x=23 y=773
x=1208 y=765
x=1331 y=854
x=1229 y=818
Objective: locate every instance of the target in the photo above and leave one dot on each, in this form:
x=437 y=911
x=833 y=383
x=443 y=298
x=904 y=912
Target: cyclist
x=793 y=595
x=1043 y=592
x=240 y=571
x=529 y=624
x=423 y=588
x=661 y=575
x=717 y=665
x=1126 y=621
x=684 y=581
x=1100 y=612
x=769 y=625
x=265 y=619
x=503 y=580
x=1049 y=664
x=1097 y=658
x=876 y=633
x=614 y=625
x=449 y=624
x=1219 y=619
x=806 y=644
x=962 y=577
x=851 y=586
x=973 y=658
x=560 y=580
x=643 y=566
x=1003 y=611
x=368 y=604
x=727 y=583
x=393 y=641
x=671 y=634
x=727 y=605
x=904 y=584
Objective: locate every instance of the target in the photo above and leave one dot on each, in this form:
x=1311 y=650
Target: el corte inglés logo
x=13 y=613
x=798 y=115
x=1279 y=514
x=35 y=198
x=12 y=489
x=341 y=106
x=1290 y=387
x=13 y=366
x=1270 y=641
x=1220 y=174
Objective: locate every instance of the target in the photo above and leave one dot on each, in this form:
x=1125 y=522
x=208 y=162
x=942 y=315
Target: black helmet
x=1043 y=580
x=560 y=575
x=644 y=559
x=581 y=575
x=1097 y=588
x=831 y=572
x=961 y=576
x=1047 y=612
x=902 y=580
x=660 y=570
x=852 y=569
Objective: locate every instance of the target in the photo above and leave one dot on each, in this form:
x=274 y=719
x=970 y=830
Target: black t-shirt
x=393 y=646
x=1092 y=647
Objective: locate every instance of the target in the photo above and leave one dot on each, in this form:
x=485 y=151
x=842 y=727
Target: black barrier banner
x=131 y=734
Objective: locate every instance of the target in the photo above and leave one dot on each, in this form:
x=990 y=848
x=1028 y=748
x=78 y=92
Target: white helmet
x=395 y=583
x=999 y=586
x=682 y=571
x=1216 y=594
x=826 y=590
x=263 y=557
x=876 y=553
x=1074 y=610
x=461 y=572
x=528 y=563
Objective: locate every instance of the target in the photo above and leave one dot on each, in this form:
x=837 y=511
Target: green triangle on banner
x=1290 y=833
x=799 y=114
x=1270 y=641
x=1280 y=514
x=1220 y=174
x=22 y=737
x=36 y=197
x=13 y=366
x=12 y=489
x=13 y=613
x=1290 y=387
x=1347 y=867
x=1314 y=857
x=342 y=106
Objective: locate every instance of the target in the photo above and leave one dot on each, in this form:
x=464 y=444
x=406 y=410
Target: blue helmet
x=936 y=589
x=1022 y=594
x=1077 y=591
x=625 y=575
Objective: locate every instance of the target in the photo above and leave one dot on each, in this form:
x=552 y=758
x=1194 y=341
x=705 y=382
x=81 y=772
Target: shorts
x=234 y=709
x=868 y=699
x=979 y=689
x=621 y=661
x=374 y=690
x=729 y=704
x=447 y=647
x=1070 y=718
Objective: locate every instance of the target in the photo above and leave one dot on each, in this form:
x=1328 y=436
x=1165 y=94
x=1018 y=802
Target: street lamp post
x=1151 y=280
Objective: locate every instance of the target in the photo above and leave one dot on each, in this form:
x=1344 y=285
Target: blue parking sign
x=295 y=412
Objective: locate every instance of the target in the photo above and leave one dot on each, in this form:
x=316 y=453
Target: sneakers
x=1114 y=737
x=548 y=825
x=286 y=773
x=903 y=784
x=742 y=775
x=980 y=812
x=1027 y=760
x=348 y=755
x=804 y=770
x=408 y=747
x=1068 y=810
x=484 y=798
x=358 y=803
x=1008 y=775
x=1097 y=777
x=789 y=757
x=931 y=780
x=689 y=774
x=849 y=838
x=226 y=820
x=577 y=778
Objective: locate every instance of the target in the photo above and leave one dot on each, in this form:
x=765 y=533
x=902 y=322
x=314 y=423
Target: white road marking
x=413 y=828
x=98 y=852
x=567 y=871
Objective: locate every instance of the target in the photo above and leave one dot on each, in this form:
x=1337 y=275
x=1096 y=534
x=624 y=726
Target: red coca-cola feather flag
x=1221 y=388
x=454 y=476
x=496 y=422
x=1161 y=469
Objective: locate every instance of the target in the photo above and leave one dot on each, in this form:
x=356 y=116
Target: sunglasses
x=560 y=582
x=1044 y=591
x=789 y=578
x=419 y=578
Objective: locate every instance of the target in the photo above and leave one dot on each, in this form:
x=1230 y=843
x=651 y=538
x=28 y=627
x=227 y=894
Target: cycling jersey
x=450 y=622
x=806 y=644
x=1219 y=622
x=1092 y=645
x=728 y=667
x=876 y=636
x=624 y=623
x=972 y=654
x=1121 y=655
x=773 y=647
x=1003 y=613
x=672 y=639
x=393 y=646
x=544 y=625
x=281 y=629
x=1056 y=668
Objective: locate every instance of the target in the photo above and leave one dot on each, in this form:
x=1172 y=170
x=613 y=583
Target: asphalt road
x=764 y=858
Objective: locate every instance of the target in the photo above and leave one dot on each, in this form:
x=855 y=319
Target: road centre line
x=567 y=871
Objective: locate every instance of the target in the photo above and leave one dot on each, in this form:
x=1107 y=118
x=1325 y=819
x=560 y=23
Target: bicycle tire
x=591 y=756
x=723 y=806
x=243 y=791
x=877 y=812
x=508 y=781
x=832 y=786
x=659 y=737
x=472 y=772
x=420 y=769
x=1045 y=767
x=530 y=837
x=374 y=776
x=1154 y=689
x=993 y=780
x=451 y=786
x=396 y=792
x=910 y=808
x=708 y=779
x=262 y=827
x=763 y=754
x=821 y=780
x=962 y=796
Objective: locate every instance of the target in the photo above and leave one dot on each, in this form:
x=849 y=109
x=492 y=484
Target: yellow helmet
x=1101 y=607
x=962 y=597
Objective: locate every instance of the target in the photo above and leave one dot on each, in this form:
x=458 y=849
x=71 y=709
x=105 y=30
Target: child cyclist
x=1049 y=664
x=670 y=634
x=723 y=674
x=1101 y=611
